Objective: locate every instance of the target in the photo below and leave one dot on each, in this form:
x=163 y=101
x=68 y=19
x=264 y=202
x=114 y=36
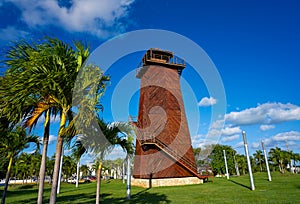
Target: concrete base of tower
x=148 y=183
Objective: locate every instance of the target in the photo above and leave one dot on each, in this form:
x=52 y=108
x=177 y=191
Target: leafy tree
x=197 y=152
x=217 y=159
x=295 y=158
x=85 y=170
x=50 y=167
x=69 y=166
x=13 y=142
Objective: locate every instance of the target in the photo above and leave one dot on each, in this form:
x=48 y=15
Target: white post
x=227 y=174
x=236 y=166
x=60 y=170
x=266 y=159
x=128 y=177
x=123 y=172
x=248 y=161
x=77 y=173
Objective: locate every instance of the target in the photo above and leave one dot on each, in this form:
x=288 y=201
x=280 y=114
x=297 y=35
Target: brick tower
x=163 y=144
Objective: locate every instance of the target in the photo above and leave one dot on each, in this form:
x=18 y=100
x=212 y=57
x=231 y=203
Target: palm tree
x=258 y=157
x=13 y=143
x=296 y=158
x=277 y=157
x=77 y=151
x=114 y=134
x=69 y=166
x=41 y=80
x=23 y=165
x=242 y=163
x=21 y=95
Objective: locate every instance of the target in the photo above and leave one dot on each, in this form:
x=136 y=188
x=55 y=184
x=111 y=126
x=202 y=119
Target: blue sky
x=254 y=45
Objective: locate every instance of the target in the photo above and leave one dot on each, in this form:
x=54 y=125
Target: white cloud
x=217 y=124
x=266 y=127
x=117 y=152
x=207 y=101
x=268 y=113
x=52 y=139
x=238 y=145
x=99 y=18
x=231 y=130
x=283 y=137
x=230 y=138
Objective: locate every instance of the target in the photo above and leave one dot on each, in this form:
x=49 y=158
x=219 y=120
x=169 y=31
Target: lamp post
x=248 y=161
x=266 y=159
x=227 y=174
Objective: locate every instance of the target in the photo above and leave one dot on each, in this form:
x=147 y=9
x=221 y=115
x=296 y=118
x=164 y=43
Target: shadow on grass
x=240 y=184
x=78 y=198
x=141 y=197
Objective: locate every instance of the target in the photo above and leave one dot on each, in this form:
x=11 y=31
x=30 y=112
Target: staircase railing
x=186 y=163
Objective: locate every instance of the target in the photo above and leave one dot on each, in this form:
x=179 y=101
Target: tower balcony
x=155 y=56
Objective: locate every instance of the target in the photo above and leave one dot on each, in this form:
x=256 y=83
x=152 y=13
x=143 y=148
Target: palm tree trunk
x=98 y=183
x=6 y=180
x=44 y=157
x=59 y=147
x=260 y=165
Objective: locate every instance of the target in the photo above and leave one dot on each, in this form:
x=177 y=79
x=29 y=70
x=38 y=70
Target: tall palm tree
x=13 y=143
x=21 y=95
x=42 y=79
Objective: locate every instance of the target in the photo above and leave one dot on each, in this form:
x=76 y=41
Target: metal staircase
x=144 y=140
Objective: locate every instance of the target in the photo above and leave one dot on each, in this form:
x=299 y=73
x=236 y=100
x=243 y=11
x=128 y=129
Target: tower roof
x=156 y=56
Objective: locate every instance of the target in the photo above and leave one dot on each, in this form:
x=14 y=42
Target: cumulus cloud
x=230 y=138
x=207 y=101
x=291 y=137
x=268 y=113
x=117 y=152
x=99 y=18
x=231 y=130
x=266 y=127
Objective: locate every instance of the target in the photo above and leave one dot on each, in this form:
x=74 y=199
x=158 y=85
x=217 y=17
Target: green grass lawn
x=285 y=188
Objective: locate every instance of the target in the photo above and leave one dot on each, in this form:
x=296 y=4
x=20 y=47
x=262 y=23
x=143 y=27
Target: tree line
x=26 y=165
x=39 y=82
x=279 y=160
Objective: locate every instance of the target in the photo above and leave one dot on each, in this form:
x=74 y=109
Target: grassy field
x=285 y=188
